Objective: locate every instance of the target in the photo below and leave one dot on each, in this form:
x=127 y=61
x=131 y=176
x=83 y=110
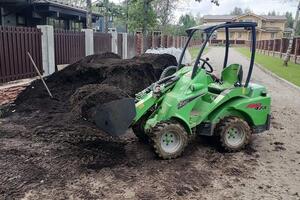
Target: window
x=56 y=23
x=21 y=20
x=75 y=26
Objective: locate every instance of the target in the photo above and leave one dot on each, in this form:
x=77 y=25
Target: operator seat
x=231 y=76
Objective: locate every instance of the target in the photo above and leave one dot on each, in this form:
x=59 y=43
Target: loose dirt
x=49 y=151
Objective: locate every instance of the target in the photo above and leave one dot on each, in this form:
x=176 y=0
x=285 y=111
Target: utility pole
x=89 y=14
x=289 y=50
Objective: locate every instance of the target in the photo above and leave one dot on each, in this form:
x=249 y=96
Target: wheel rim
x=234 y=136
x=170 y=142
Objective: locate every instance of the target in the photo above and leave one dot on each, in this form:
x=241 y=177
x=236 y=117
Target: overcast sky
x=226 y=6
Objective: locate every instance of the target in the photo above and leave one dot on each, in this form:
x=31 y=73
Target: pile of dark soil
x=57 y=129
x=93 y=80
x=47 y=150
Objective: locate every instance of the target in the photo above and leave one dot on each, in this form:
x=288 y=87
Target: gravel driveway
x=277 y=175
x=69 y=165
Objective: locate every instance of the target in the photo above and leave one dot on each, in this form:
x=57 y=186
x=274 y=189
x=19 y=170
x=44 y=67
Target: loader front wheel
x=234 y=133
x=138 y=130
x=169 y=139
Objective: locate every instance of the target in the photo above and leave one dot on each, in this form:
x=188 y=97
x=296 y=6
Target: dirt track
x=84 y=166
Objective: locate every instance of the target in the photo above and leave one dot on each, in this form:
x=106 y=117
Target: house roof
x=219 y=17
x=277 y=17
x=62 y=3
x=54 y=3
x=230 y=25
x=231 y=17
x=289 y=30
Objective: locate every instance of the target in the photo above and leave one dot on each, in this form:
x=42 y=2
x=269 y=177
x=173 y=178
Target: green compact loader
x=190 y=100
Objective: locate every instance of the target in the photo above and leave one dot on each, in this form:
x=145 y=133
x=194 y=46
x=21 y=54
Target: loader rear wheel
x=234 y=133
x=169 y=139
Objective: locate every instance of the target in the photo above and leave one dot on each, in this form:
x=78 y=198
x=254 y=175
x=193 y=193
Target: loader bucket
x=116 y=116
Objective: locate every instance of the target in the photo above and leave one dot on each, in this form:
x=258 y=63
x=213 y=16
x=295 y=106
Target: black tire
x=138 y=130
x=168 y=72
x=234 y=133
x=169 y=133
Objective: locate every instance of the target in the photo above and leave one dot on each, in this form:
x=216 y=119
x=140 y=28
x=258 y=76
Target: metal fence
x=278 y=47
x=102 y=42
x=69 y=46
x=15 y=42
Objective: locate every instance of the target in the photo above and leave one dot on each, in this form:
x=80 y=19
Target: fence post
x=114 y=42
x=47 y=49
x=125 y=46
x=89 y=41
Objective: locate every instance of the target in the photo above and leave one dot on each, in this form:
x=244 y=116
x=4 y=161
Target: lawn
x=275 y=65
x=194 y=51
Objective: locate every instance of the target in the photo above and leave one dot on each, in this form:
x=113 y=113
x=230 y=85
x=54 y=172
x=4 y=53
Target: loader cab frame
x=208 y=31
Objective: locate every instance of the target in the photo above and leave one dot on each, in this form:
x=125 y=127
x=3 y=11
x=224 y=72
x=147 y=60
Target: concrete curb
x=272 y=74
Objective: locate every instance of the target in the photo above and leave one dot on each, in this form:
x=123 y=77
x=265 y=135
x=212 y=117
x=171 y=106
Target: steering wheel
x=205 y=63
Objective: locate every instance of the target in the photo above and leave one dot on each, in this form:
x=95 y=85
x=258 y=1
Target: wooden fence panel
x=149 y=42
x=285 y=43
x=102 y=42
x=15 y=42
x=293 y=46
x=298 y=46
x=69 y=46
x=156 y=41
x=277 y=45
x=164 y=41
x=240 y=42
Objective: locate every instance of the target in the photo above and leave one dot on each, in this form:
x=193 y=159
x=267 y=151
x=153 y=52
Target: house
x=58 y=13
x=268 y=27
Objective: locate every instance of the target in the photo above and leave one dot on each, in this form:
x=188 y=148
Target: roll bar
x=208 y=30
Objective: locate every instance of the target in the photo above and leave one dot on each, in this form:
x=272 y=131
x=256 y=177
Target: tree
x=141 y=15
x=163 y=10
x=216 y=2
x=185 y=21
x=289 y=50
x=237 y=11
x=107 y=9
x=290 y=20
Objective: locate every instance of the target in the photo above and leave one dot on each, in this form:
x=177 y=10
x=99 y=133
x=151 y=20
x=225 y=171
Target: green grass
x=275 y=65
x=194 y=51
